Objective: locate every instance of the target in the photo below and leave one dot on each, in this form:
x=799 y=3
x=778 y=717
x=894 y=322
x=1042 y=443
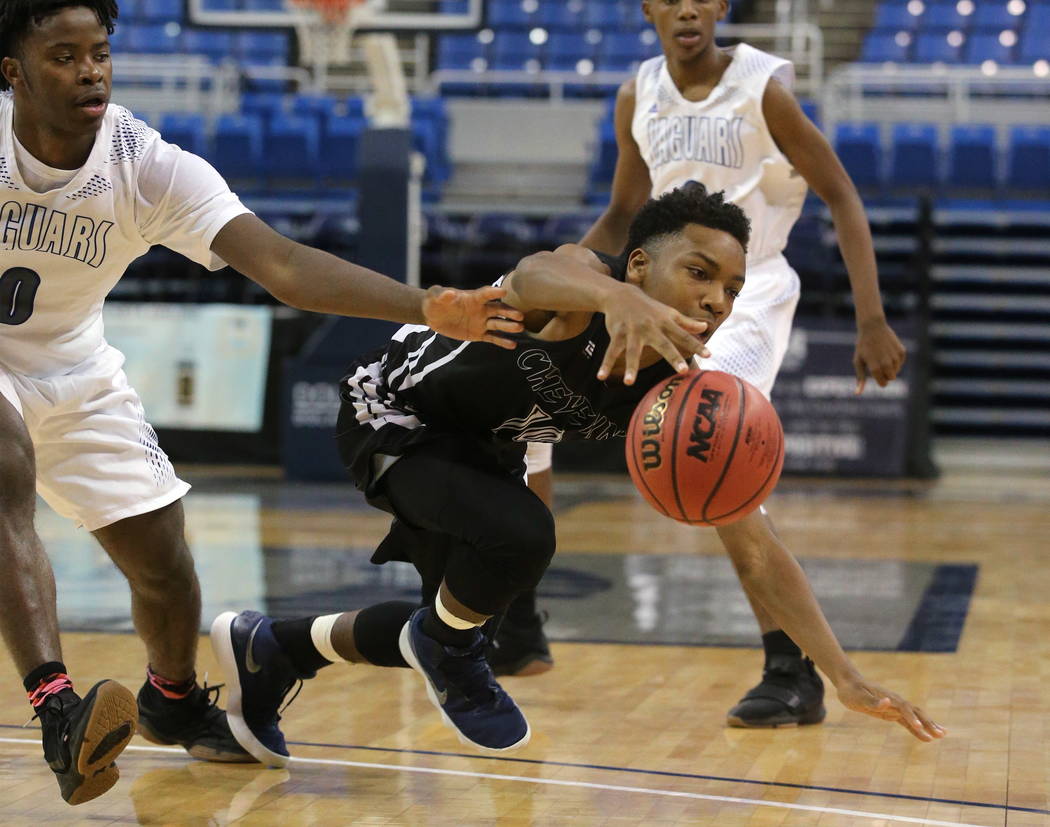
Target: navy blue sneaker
x=460 y=683
x=259 y=676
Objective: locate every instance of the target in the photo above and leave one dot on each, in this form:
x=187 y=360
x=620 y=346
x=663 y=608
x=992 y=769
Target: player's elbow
x=277 y=275
x=529 y=273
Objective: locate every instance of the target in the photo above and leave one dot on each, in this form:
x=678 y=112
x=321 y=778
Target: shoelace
x=464 y=671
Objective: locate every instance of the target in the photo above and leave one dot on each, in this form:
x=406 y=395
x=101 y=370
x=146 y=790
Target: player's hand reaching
x=879 y=353
x=635 y=321
x=861 y=696
x=472 y=315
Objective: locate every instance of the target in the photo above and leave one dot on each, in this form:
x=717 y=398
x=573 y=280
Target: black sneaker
x=791 y=693
x=520 y=648
x=195 y=723
x=83 y=737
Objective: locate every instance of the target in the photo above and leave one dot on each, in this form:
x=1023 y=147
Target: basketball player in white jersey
x=85 y=189
x=727 y=118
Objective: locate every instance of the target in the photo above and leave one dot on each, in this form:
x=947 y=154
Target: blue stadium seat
x=1038 y=20
x=154 y=38
x=511 y=14
x=971 y=156
x=160 y=11
x=882 y=47
x=621 y=51
x=944 y=16
x=292 y=149
x=118 y=41
x=603 y=14
x=914 y=155
x=261 y=47
x=995 y=14
x=566 y=49
x=266 y=106
x=217 y=45
x=513 y=50
x=502 y=228
x=895 y=18
x=319 y=108
x=566 y=229
x=860 y=149
x=263 y=5
x=342 y=137
x=430 y=132
x=454 y=6
x=932 y=47
x=186 y=131
x=982 y=46
x=459 y=50
x=238 y=146
x=811 y=108
x=1035 y=45
x=633 y=17
x=1029 y=165
x=560 y=16
x=601 y=172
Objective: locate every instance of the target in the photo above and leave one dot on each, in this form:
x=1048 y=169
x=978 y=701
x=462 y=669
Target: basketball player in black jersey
x=434 y=430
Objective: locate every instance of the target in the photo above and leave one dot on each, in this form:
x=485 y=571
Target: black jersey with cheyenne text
x=542 y=391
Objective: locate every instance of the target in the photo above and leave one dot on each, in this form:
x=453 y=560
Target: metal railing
x=941 y=94
x=155 y=85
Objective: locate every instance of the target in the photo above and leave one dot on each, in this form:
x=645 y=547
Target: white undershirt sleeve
x=183 y=202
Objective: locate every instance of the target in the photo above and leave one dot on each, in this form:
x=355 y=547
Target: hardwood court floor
x=623 y=734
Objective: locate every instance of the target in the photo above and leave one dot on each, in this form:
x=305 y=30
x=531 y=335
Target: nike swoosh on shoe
x=249 y=659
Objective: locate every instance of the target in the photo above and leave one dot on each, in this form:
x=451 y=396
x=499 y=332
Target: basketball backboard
x=398 y=15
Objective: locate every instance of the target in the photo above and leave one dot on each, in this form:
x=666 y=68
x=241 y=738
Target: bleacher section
x=948 y=104
x=1007 y=32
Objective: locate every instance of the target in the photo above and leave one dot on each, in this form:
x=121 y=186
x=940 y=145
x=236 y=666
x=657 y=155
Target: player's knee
x=165 y=570
x=531 y=542
x=17 y=475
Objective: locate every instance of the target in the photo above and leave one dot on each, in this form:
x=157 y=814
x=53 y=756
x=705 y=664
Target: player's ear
x=638 y=264
x=646 y=11
x=11 y=69
x=723 y=9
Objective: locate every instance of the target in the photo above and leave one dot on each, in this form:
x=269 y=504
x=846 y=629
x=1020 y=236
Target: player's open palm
x=861 y=696
x=636 y=321
x=472 y=315
x=879 y=354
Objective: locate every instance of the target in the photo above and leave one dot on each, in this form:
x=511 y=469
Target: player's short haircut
x=689 y=204
x=19 y=17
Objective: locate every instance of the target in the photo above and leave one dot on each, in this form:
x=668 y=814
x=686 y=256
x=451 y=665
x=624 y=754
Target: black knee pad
x=377 y=629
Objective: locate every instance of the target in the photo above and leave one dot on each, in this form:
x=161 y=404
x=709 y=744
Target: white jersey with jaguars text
x=723 y=142
x=62 y=251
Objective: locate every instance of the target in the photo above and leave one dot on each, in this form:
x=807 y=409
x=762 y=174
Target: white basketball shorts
x=97 y=458
x=752 y=342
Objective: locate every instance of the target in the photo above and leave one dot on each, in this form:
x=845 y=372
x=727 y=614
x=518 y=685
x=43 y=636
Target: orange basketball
x=705 y=447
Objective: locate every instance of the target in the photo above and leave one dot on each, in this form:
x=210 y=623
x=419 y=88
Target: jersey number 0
x=18 y=288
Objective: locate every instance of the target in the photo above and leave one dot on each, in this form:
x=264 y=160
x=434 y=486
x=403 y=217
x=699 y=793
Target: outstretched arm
x=573 y=283
x=631 y=182
x=310 y=279
x=879 y=352
x=773 y=576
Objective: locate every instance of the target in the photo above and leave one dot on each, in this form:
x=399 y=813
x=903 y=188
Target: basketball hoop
x=325 y=29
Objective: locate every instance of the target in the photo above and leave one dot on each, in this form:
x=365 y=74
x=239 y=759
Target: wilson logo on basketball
x=704 y=424
x=652 y=424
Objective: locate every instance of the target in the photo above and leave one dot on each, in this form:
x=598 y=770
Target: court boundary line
x=673 y=774
x=557 y=782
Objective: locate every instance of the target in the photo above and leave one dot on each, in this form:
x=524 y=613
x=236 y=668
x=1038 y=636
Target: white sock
x=449 y=618
x=321 y=635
